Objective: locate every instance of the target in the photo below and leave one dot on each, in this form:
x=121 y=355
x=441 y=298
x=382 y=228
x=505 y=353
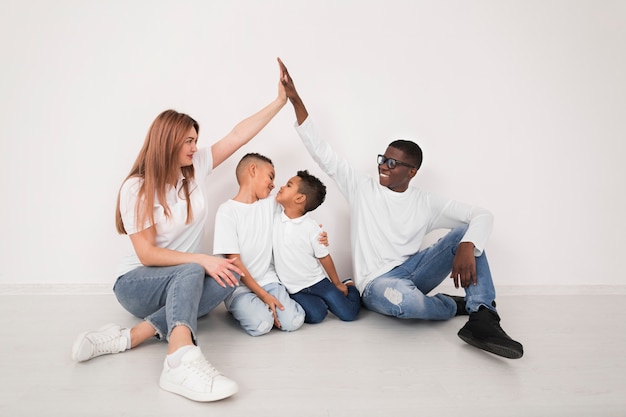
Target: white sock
x=174 y=359
x=126 y=335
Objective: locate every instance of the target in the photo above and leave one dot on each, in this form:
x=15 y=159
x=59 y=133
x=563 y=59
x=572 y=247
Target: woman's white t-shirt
x=171 y=233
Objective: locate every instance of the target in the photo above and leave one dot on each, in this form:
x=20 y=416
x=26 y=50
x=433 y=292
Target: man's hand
x=287 y=82
x=464 y=265
x=292 y=94
x=323 y=238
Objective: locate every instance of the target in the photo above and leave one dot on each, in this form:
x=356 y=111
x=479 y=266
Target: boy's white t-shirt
x=171 y=233
x=297 y=250
x=246 y=229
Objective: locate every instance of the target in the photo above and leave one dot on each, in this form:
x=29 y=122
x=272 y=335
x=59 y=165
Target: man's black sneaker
x=483 y=331
x=460 y=305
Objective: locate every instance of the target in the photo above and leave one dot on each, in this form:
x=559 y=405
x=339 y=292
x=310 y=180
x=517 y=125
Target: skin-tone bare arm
x=254 y=286
x=464 y=266
x=220 y=269
x=248 y=128
x=292 y=94
x=331 y=271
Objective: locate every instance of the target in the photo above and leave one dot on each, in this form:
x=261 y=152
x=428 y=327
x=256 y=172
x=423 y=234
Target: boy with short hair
x=304 y=266
x=243 y=230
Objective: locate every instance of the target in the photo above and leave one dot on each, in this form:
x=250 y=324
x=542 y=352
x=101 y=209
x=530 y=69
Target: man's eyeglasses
x=391 y=163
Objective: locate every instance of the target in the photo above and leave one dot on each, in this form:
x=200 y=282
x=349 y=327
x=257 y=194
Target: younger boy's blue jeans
x=317 y=299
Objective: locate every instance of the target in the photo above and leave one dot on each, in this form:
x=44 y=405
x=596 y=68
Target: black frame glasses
x=391 y=163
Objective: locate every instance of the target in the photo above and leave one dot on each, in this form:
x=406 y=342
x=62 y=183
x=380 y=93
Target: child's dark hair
x=313 y=189
x=251 y=156
x=247 y=159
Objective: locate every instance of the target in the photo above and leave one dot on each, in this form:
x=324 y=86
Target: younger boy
x=299 y=257
x=243 y=230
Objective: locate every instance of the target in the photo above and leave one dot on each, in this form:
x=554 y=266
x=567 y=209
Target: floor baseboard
x=505 y=290
x=56 y=289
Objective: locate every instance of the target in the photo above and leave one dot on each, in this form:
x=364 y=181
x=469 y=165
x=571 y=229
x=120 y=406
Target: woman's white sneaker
x=196 y=379
x=105 y=340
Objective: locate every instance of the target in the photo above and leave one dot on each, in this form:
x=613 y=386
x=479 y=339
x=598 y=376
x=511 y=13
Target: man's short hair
x=411 y=150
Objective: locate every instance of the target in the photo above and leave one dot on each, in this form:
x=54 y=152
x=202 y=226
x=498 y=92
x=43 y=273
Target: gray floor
x=376 y=366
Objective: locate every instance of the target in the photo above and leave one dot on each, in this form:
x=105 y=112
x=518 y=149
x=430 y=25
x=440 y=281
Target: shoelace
x=204 y=369
x=105 y=343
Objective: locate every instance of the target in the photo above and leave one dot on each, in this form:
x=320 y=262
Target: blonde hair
x=157 y=164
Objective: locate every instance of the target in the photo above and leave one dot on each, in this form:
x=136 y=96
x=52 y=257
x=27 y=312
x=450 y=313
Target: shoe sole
x=499 y=350
x=196 y=396
x=81 y=337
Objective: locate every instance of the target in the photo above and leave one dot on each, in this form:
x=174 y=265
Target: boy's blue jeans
x=255 y=317
x=402 y=292
x=317 y=299
x=169 y=296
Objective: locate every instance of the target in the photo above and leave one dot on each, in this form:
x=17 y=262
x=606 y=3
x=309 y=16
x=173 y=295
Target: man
x=389 y=220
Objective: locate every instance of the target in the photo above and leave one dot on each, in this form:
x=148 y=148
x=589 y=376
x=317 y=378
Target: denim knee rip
x=298 y=322
x=393 y=296
x=264 y=327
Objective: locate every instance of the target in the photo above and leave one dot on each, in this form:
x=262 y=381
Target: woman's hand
x=221 y=270
x=282 y=92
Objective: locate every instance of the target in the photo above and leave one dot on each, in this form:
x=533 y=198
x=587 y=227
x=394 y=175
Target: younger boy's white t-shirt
x=297 y=250
x=246 y=229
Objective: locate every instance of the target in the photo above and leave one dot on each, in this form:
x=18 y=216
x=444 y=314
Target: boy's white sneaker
x=105 y=340
x=196 y=379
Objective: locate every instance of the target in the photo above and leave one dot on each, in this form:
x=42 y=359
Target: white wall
x=519 y=106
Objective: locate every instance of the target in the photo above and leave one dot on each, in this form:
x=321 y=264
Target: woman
x=167 y=281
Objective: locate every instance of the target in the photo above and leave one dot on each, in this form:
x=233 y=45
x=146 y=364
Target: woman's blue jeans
x=169 y=296
x=402 y=292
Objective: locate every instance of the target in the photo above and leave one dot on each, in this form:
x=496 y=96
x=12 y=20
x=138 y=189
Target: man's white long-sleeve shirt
x=387 y=227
